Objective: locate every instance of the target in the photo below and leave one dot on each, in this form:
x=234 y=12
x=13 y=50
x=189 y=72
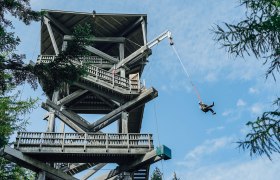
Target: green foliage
x=12 y=119
x=53 y=75
x=19 y=9
x=157 y=175
x=13 y=72
x=258 y=34
x=11 y=64
x=264 y=137
x=63 y=69
x=9 y=171
x=12 y=113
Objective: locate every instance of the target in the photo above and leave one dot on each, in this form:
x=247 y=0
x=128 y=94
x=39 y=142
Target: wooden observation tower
x=111 y=88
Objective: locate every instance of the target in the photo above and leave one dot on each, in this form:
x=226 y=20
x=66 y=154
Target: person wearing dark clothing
x=205 y=108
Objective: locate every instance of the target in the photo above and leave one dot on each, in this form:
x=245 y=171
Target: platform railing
x=87 y=59
x=84 y=140
x=99 y=73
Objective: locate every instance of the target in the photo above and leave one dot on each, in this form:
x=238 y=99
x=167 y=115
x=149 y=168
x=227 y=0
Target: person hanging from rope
x=205 y=108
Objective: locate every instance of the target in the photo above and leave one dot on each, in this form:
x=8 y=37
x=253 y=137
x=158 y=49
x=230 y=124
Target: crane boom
x=149 y=45
x=166 y=34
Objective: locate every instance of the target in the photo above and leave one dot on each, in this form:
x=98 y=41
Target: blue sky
x=203 y=146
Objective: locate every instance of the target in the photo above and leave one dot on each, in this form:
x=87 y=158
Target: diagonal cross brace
x=124 y=61
x=33 y=164
x=58 y=24
x=101 y=54
x=143 y=98
x=71 y=97
x=71 y=115
x=93 y=171
x=70 y=123
x=112 y=116
x=65 y=30
x=46 y=21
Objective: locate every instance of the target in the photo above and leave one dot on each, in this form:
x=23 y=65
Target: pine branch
x=264 y=137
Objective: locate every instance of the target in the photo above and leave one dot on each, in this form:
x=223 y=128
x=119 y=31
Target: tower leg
x=51 y=119
x=41 y=175
x=124 y=122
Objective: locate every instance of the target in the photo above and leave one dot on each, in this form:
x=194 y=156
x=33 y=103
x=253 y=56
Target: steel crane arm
x=162 y=36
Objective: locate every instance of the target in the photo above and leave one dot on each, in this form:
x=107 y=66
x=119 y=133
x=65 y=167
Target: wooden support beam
x=101 y=54
x=51 y=122
x=70 y=123
x=51 y=118
x=144 y=31
x=124 y=122
x=66 y=120
x=93 y=171
x=121 y=51
x=109 y=102
x=47 y=23
x=105 y=123
x=131 y=57
x=71 y=97
x=33 y=164
x=100 y=92
x=41 y=175
x=76 y=168
x=58 y=24
x=70 y=115
x=99 y=39
x=130 y=28
x=143 y=98
x=121 y=55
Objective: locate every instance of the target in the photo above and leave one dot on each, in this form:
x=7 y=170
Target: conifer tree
x=258 y=34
